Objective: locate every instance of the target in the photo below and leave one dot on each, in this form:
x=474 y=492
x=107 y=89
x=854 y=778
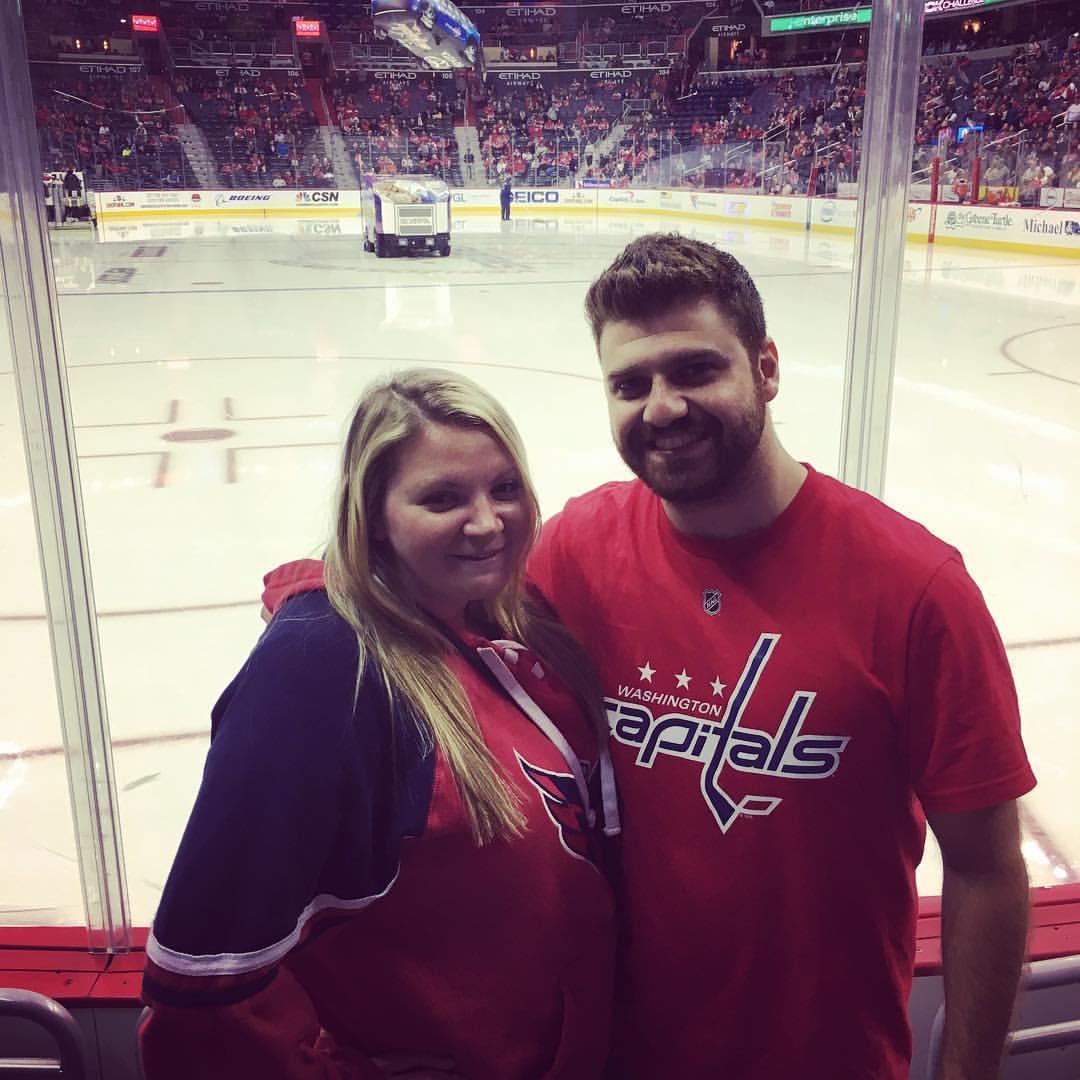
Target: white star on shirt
x=718 y=686
x=683 y=680
x=647 y=672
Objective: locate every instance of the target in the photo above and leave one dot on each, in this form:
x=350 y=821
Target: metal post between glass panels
x=892 y=73
x=45 y=407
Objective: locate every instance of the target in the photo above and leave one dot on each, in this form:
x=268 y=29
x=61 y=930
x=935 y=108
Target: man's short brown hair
x=660 y=271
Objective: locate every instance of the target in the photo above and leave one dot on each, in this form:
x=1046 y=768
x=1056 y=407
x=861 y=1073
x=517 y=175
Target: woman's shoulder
x=307 y=626
x=306 y=662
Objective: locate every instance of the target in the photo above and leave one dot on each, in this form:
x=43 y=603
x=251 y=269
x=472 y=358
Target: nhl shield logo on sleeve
x=711 y=600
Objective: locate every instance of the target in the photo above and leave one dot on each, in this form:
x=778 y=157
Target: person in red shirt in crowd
x=395 y=847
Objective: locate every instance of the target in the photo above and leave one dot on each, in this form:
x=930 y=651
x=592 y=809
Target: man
x=795 y=675
x=505 y=197
x=73 y=188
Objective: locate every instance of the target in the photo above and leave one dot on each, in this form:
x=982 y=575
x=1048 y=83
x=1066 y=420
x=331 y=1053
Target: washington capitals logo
x=719 y=739
x=562 y=801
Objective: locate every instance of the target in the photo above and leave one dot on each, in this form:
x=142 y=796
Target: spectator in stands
x=1031 y=182
x=960 y=186
x=996 y=172
x=393 y=847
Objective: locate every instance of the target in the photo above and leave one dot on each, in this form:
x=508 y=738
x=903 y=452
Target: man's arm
x=983 y=937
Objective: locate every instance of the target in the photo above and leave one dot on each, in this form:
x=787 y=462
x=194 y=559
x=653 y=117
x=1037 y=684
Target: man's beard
x=702 y=472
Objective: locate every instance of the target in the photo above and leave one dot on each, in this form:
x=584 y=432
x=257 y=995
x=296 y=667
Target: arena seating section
x=117 y=132
x=537 y=135
x=751 y=125
x=261 y=131
x=396 y=125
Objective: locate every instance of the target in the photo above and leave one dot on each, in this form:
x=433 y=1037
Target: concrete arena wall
x=1041 y=231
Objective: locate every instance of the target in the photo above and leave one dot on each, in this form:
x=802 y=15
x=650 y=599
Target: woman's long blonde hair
x=391 y=626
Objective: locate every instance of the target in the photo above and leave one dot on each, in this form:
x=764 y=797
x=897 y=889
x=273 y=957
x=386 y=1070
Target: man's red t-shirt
x=784 y=706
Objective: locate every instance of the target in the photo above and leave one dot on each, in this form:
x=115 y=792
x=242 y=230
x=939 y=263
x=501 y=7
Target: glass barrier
x=220 y=325
x=37 y=841
x=983 y=439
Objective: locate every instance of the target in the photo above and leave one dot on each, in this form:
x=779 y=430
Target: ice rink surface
x=211 y=369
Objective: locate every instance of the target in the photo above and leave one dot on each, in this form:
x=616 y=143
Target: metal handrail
x=949 y=159
x=1040 y=975
x=60 y=1025
x=739 y=151
x=828 y=146
x=1005 y=138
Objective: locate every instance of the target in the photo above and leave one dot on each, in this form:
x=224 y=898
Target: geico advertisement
x=525 y=198
x=531 y=198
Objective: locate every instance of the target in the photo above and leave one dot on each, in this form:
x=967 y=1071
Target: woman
x=392 y=851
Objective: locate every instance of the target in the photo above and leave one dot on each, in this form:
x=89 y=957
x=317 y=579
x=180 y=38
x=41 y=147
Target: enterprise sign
x=819 y=20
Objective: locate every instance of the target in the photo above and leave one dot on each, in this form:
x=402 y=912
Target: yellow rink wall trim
x=1003 y=245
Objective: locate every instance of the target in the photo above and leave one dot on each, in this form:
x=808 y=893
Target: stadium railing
x=57 y=1022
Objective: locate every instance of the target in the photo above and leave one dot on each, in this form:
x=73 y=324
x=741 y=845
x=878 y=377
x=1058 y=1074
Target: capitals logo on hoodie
x=561 y=800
